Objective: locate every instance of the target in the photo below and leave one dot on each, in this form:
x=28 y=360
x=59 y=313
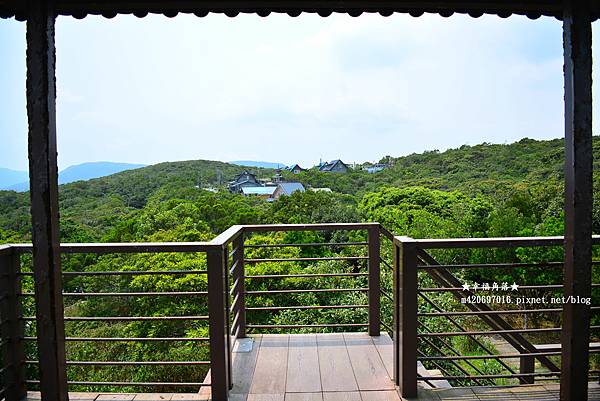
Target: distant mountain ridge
x=10 y=177
x=484 y=169
x=79 y=172
x=261 y=164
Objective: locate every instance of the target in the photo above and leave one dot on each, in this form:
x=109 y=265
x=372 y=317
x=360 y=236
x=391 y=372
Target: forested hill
x=102 y=201
x=480 y=168
x=491 y=170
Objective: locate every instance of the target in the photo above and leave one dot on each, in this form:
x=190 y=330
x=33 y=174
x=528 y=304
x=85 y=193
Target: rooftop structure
x=296 y=169
x=287 y=188
x=258 y=191
x=375 y=168
x=243 y=180
x=334 y=166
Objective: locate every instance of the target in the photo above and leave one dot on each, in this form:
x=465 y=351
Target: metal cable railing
x=256 y=290
x=242 y=285
x=21 y=342
x=428 y=291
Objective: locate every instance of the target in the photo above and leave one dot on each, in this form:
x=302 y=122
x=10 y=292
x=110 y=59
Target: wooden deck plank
x=424 y=394
x=265 y=397
x=188 y=397
x=83 y=396
x=115 y=397
x=342 y=396
x=388 y=395
x=238 y=397
x=148 y=397
x=243 y=365
x=463 y=394
x=368 y=367
x=304 y=396
x=334 y=363
x=271 y=365
x=303 y=372
x=385 y=348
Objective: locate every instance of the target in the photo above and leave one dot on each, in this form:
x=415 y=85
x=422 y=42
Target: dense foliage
x=474 y=191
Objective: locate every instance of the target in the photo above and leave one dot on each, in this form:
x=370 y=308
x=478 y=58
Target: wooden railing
x=232 y=310
x=240 y=310
x=225 y=297
x=413 y=262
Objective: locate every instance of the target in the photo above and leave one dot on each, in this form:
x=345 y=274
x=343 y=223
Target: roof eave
x=141 y=8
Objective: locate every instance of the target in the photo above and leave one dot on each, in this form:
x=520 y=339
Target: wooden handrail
x=309 y=227
x=124 y=247
x=500 y=242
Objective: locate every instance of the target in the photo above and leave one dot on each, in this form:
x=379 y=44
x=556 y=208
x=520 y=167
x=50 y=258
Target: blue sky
x=287 y=89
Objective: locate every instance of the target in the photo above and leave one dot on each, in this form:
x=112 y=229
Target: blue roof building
x=262 y=192
x=287 y=188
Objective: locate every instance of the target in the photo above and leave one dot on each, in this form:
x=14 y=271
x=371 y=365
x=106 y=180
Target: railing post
x=219 y=336
x=12 y=331
x=226 y=292
x=240 y=292
x=374 y=281
x=405 y=315
x=579 y=155
x=43 y=178
x=527 y=366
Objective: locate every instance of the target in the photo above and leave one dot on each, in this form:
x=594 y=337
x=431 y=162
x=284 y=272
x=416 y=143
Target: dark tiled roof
x=330 y=165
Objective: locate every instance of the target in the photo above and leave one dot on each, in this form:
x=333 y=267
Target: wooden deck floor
x=307 y=367
x=328 y=367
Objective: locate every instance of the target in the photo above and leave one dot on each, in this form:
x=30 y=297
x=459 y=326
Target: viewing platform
x=327 y=367
x=394 y=354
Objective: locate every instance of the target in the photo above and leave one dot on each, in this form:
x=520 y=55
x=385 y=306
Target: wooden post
x=219 y=335
x=43 y=176
x=227 y=318
x=405 y=314
x=11 y=312
x=577 y=35
x=239 y=274
x=527 y=365
x=374 y=281
x=396 y=312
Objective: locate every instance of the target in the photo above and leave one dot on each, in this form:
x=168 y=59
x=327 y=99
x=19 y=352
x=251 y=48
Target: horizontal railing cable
x=332 y=258
x=129 y=339
x=311 y=244
x=305 y=307
x=318 y=290
x=130 y=363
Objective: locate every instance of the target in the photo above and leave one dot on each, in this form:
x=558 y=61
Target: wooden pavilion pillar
x=577 y=36
x=43 y=176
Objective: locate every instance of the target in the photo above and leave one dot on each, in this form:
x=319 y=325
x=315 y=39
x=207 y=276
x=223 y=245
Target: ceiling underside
x=170 y=8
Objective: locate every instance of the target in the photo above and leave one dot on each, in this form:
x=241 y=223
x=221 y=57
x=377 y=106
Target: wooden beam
x=43 y=176
x=577 y=36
